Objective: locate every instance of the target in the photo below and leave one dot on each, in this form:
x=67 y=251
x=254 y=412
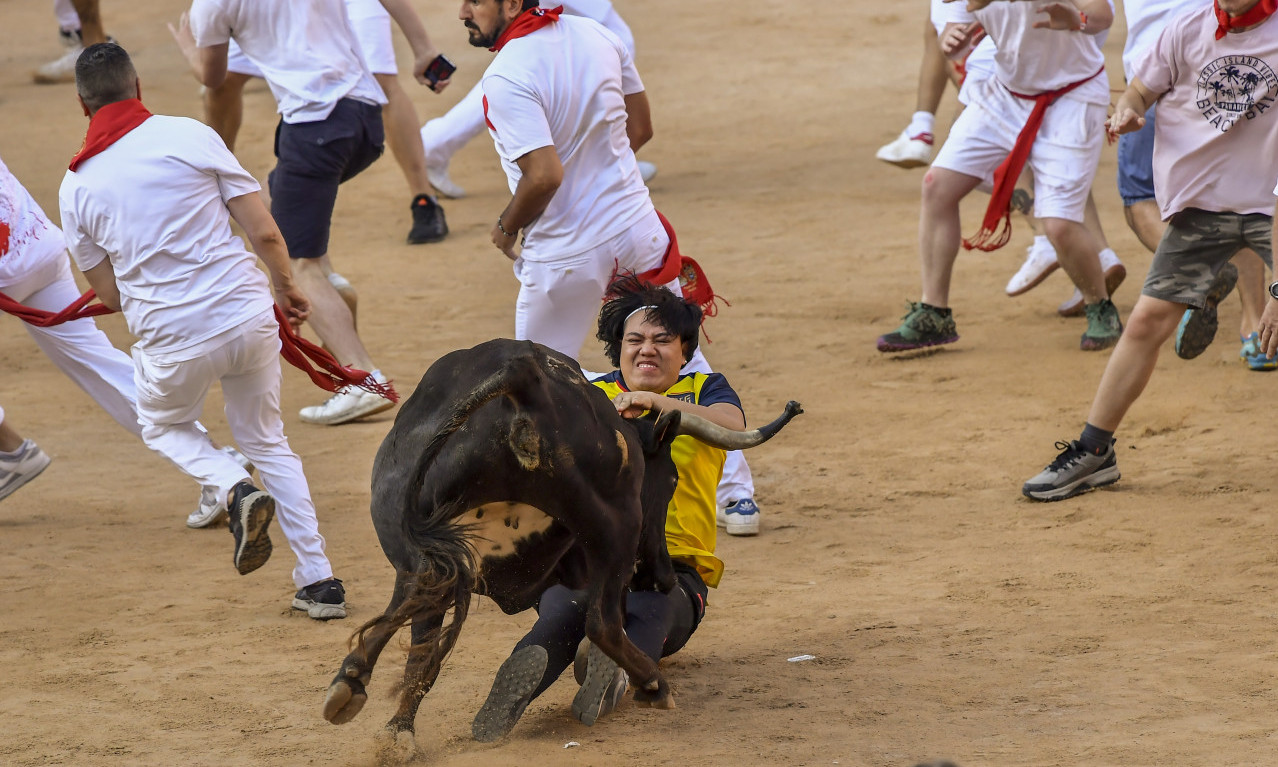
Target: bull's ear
x=666 y=428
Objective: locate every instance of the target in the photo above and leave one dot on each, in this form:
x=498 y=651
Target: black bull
x=505 y=473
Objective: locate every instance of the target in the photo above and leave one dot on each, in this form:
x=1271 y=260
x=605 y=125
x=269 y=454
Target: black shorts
x=314 y=158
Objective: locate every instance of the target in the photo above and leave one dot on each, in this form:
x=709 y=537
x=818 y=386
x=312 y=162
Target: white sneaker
x=741 y=517
x=21 y=466
x=346 y=405
x=647 y=171
x=1040 y=261
x=907 y=151
x=210 y=510
x=61 y=69
x=443 y=183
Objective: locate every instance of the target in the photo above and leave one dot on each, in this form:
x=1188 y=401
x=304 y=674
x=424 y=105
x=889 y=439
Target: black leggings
x=659 y=624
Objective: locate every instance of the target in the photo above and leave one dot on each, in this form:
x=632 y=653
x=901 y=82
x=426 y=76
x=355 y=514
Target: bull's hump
x=497 y=528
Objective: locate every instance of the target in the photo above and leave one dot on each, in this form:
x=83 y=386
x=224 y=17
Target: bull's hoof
x=661 y=698
x=344 y=701
x=395 y=746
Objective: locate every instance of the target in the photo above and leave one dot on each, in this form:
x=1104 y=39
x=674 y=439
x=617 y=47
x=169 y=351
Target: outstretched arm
x=424 y=51
x=632 y=404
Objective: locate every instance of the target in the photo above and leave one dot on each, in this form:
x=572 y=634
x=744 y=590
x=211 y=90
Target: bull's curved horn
x=715 y=435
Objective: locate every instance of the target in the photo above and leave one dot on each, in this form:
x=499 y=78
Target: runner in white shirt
x=566 y=109
x=146 y=209
x=443 y=136
x=1066 y=72
x=1215 y=161
x=35 y=272
x=330 y=130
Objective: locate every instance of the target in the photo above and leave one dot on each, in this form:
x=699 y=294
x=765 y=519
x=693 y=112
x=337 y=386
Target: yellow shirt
x=690 y=518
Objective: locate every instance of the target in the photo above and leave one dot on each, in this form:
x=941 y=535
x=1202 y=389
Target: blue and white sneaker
x=1251 y=354
x=741 y=517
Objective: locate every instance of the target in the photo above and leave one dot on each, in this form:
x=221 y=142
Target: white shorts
x=372 y=25
x=1065 y=154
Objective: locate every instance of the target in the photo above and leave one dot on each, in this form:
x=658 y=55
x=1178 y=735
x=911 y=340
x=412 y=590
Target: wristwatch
x=1273 y=289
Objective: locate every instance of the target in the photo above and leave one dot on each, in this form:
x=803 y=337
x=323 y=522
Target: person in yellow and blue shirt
x=648 y=334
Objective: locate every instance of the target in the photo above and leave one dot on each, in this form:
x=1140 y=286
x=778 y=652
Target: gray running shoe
x=603 y=687
x=1197 y=327
x=922 y=326
x=1076 y=470
x=21 y=466
x=512 y=691
x=1104 y=328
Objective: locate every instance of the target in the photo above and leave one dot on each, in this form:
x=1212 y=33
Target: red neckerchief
x=996 y=228
x=527 y=22
x=107 y=125
x=1258 y=13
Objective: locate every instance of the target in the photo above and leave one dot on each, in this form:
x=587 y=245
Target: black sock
x=1095 y=440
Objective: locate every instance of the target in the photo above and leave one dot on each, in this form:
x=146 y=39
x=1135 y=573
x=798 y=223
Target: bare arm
x=638 y=120
x=208 y=64
x=1129 y=112
x=424 y=51
x=541 y=175
x=632 y=404
x=102 y=279
x=251 y=214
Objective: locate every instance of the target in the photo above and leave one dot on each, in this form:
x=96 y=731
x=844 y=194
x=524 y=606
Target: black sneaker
x=428 y=221
x=923 y=326
x=1197 y=327
x=602 y=688
x=250 y=513
x=1076 y=470
x=512 y=691
x=322 y=601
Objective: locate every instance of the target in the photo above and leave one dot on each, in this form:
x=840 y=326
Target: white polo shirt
x=305 y=50
x=1030 y=61
x=154 y=203
x=564 y=85
x=28 y=239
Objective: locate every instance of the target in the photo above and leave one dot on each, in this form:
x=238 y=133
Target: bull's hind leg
x=347 y=692
x=431 y=644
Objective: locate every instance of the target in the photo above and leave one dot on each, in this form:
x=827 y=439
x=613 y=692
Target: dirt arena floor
x=948 y=617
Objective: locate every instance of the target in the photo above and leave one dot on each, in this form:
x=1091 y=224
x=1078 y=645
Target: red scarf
x=996 y=228
x=692 y=278
x=295 y=349
x=1258 y=13
x=107 y=125
x=525 y=23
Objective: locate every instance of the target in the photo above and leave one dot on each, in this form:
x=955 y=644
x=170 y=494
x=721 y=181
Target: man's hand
x=1124 y=120
x=296 y=306
x=957 y=37
x=632 y=404
x=186 y=43
x=505 y=243
x=1061 y=17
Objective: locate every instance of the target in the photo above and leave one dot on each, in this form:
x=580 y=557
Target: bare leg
x=403 y=134
x=90 y=22
x=1251 y=289
x=224 y=107
x=934 y=72
x=939 y=230
x=330 y=316
x=1091 y=220
x=10 y=439
x=1151 y=323
x=1077 y=250
x=1146 y=221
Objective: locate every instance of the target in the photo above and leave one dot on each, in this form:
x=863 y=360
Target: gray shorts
x=1196 y=244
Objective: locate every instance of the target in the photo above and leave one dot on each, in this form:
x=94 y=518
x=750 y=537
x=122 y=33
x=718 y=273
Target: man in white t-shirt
x=443 y=136
x=1215 y=162
x=34 y=271
x=330 y=130
x=146 y=211
x=566 y=110
x=1064 y=76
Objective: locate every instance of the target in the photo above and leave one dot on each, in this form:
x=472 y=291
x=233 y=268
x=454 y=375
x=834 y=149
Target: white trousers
x=68 y=19
x=171 y=396
x=559 y=302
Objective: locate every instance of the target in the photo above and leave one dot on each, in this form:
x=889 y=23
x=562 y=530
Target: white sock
x=920 y=123
x=1042 y=243
x=1108 y=258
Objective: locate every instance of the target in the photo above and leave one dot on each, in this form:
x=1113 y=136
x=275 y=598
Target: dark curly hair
x=628 y=294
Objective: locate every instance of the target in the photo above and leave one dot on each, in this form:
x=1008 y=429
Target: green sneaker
x=922 y=326
x=1103 y=326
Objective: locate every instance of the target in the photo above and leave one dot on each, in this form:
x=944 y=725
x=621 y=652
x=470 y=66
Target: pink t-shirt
x=1216 y=136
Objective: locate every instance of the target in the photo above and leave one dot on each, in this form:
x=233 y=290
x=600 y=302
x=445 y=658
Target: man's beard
x=480 y=40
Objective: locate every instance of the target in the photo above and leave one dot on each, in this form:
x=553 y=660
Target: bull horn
x=715 y=435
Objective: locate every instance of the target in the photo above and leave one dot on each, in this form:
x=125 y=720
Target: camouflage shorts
x=1196 y=244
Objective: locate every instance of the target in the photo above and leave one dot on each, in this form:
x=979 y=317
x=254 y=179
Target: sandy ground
x=948 y=617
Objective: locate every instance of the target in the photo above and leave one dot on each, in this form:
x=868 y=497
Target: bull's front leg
x=347 y=693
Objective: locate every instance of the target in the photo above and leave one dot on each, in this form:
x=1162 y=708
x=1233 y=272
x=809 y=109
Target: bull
x=505 y=473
